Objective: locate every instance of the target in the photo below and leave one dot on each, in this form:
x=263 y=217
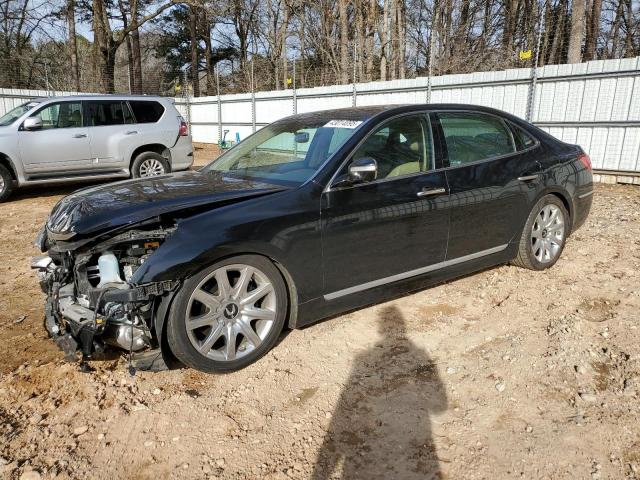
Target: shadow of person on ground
x=380 y=427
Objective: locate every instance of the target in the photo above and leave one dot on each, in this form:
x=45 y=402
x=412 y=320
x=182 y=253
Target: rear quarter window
x=146 y=111
x=522 y=138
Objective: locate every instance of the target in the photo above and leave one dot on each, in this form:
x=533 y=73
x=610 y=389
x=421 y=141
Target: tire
x=149 y=164
x=544 y=235
x=6 y=183
x=253 y=313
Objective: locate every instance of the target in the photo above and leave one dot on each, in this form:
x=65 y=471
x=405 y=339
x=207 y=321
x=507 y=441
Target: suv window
x=61 y=115
x=102 y=113
x=401 y=146
x=471 y=137
x=146 y=111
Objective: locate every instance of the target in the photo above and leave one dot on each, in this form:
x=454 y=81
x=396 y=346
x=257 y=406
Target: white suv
x=68 y=139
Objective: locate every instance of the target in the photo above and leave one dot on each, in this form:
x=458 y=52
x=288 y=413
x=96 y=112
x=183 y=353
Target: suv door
x=61 y=145
x=394 y=227
x=112 y=132
x=492 y=184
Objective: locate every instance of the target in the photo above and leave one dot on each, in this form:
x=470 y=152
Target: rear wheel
x=149 y=164
x=544 y=234
x=6 y=183
x=229 y=315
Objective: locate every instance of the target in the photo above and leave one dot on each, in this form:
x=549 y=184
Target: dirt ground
x=507 y=373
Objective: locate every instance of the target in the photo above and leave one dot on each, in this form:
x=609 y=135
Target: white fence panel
x=594 y=104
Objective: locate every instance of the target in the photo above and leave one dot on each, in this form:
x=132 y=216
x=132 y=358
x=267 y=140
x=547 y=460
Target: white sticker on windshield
x=343 y=123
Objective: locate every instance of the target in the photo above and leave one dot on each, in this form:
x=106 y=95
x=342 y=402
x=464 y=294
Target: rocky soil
x=507 y=373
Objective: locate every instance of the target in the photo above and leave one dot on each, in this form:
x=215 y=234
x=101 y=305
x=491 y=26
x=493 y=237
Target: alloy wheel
x=231 y=312
x=151 y=167
x=547 y=233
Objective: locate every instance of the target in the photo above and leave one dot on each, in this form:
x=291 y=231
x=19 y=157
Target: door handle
x=80 y=135
x=131 y=132
x=527 y=178
x=431 y=191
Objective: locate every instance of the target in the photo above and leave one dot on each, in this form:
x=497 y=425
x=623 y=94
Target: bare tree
x=106 y=41
x=73 y=45
x=577 y=31
x=593 y=29
x=195 y=61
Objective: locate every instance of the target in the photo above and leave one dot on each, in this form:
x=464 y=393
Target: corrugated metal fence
x=595 y=104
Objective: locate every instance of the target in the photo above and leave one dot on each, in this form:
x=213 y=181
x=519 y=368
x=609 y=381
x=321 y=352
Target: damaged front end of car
x=91 y=303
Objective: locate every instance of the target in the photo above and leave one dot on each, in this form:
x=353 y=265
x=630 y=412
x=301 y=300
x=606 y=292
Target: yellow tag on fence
x=289 y=81
x=525 y=54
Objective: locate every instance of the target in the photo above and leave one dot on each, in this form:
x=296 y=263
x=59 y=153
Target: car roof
x=371 y=111
x=107 y=97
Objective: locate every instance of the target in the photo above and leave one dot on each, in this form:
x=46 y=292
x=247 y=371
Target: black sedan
x=311 y=216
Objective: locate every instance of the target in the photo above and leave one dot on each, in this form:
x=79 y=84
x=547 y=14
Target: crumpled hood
x=109 y=206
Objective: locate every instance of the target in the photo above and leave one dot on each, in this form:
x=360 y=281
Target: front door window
x=61 y=115
x=401 y=146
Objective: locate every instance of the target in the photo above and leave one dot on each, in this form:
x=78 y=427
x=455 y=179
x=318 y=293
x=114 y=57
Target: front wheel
x=544 y=234
x=229 y=315
x=6 y=183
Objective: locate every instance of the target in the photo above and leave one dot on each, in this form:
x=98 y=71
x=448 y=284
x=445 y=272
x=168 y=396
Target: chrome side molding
x=413 y=273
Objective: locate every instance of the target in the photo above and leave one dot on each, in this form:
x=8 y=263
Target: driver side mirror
x=32 y=123
x=362 y=170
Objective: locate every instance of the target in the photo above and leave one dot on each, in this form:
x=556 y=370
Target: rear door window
x=104 y=113
x=145 y=111
x=471 y=137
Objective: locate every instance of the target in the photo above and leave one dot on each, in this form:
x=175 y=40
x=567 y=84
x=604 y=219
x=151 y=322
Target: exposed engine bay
x=91 y=303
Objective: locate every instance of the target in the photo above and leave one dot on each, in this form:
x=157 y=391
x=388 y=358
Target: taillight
x=586 y=161
x=184 y=129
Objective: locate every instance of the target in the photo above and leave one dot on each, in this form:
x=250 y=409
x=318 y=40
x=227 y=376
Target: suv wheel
x=228 y=315
x=6 y=183
x=149 y=164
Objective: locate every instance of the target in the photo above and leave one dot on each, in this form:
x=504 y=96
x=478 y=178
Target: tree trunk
x=208 y=52
x=384 y=40
x=73 y=44
x=593 y=30
x=283 y=46
x=510 y=10
x=614 y=33
x=300 y=74
x=435 y=19
x=628 y=19
x=195 y=80
x=136 y=57
x=556 y=46
x=574 y=55
x=393 y=40
x=372 y=18
x=344 y=41
x=130 y=72
x=360 y=32
x=104 y=47
x=402 y=38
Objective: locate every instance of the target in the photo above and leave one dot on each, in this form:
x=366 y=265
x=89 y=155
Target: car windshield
x=12 y=115
x=289 y=151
